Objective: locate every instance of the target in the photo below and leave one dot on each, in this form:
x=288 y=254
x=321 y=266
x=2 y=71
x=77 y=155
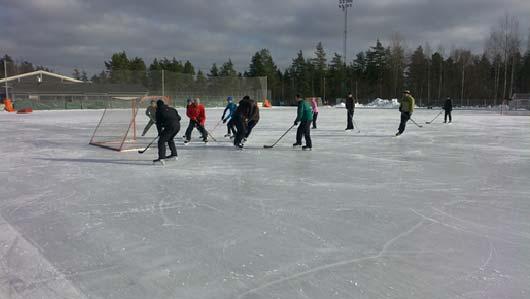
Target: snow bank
x=377 y=103
x=380 y=103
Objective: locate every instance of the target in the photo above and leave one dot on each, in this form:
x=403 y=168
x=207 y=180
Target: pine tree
x=319 y=66
x=118 y=68
x=214 y=71
x=337 y=77
x=188 y=68
x=227 y=69
x=417 y=74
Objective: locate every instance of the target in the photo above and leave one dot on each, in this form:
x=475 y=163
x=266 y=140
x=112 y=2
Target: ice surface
x=440 y=212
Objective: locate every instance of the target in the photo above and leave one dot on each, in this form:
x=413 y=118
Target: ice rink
x=440 y=212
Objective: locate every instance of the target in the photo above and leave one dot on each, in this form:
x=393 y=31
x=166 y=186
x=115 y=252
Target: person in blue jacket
x=227 y=117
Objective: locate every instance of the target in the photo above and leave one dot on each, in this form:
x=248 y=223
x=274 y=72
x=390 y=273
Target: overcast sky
x=65 y=34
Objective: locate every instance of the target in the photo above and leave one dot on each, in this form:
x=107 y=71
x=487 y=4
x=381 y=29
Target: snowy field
x=440 y=212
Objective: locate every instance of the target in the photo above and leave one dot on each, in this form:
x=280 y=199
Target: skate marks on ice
x=97 y=161
x=295 y=276
x=26 y=273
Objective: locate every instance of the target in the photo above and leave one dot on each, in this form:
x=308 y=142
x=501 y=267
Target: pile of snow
x=380 y=103
x=377 y=103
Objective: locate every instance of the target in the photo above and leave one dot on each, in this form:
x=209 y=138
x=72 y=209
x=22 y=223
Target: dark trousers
x=167 y=135
x=251 y=124
x=304 y=129
x=230 y=127
x=148 y=126
x=315 y=115
x=405 y=116
x=448 y=114
x=350 y=119
x=241 y=129
x=194 y=124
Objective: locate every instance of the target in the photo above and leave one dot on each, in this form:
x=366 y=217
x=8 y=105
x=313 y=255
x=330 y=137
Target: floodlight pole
x=5 y=77
x=344 y=5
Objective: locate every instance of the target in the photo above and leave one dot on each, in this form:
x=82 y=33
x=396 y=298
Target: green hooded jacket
x=407 y=103
x=305 y=112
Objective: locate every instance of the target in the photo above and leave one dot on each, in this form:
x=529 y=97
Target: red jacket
x=201 y=118
x=192 y=111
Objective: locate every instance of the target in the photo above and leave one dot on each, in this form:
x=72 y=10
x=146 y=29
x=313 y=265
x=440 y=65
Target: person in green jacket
x=151 y=113
x=305 y=117
x=406 y=108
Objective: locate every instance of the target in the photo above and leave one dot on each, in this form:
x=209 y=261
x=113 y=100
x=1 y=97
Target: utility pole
x=163 y=87
x=5 y=77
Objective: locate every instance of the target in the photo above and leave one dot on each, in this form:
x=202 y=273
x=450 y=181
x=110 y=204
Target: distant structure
x=519 y=104
x=520 y=101
x=46 y=90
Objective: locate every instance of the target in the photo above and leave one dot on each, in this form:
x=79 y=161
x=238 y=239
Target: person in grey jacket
x=151 y=113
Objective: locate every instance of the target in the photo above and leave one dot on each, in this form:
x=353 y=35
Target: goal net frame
x=128 y=140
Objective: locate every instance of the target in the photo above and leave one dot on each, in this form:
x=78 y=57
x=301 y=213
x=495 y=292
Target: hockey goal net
x=120 y=127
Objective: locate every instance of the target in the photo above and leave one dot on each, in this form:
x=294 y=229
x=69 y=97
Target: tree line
x=381 y=71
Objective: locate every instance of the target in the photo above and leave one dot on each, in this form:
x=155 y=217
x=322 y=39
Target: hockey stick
x=209 y=134
x=148 y=146
x=217 y=125
x=414 y=122
x=430 y=122
x=271 y=146
x=355 y=124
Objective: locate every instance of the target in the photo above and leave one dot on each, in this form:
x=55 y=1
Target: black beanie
x=160 y=103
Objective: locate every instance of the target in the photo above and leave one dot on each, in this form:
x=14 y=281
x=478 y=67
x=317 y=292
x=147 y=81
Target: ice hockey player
x=168 y=124
x=448 y=107
x=151 y=114
x=314 y=106
x=305 y=117
x=406 y=107
x=227 y=116
x=245 y=118
x=196 y=114
x=350 y=108
x=253 y=119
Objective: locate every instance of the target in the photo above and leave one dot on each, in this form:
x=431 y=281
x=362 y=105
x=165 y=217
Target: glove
x=224 y=121
x=296 y=123
x=400 y=109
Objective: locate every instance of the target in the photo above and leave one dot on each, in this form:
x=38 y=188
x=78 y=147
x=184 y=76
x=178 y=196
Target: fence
x=43 y=93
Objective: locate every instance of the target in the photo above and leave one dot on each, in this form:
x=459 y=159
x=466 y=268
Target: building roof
x=40 y=73
x=51 y=88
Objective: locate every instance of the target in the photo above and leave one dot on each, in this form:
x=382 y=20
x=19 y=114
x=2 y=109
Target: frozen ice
x=440 y=212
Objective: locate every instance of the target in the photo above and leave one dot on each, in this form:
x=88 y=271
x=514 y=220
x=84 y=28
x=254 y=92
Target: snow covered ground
x=440 y=212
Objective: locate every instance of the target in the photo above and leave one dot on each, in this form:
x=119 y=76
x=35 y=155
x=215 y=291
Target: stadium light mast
x=344 y=5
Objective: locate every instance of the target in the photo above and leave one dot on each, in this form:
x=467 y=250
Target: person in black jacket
x=168 y=124
x=350 y=108
x=448 y=107
x=245 y=118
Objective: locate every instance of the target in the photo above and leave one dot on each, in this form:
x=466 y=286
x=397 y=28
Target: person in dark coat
x=350 y=108
x=168 y=124
x=253 y=118
x=245 y=118
x=448 y=107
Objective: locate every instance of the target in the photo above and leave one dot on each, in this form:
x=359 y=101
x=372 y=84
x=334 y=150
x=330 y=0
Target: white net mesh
x=119 y=127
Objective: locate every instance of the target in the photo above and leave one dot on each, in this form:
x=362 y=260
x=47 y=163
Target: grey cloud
x=64 y=34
